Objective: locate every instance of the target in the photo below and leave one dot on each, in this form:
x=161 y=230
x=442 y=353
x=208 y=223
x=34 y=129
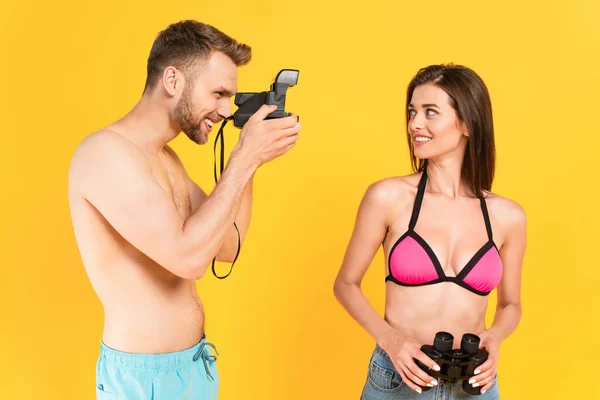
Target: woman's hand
x=403 y=351
x=486 y=372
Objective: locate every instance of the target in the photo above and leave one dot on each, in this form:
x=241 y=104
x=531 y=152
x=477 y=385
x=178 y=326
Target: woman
x=447 y=240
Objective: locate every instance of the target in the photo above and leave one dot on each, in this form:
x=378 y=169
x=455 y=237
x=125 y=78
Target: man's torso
x=147 y=308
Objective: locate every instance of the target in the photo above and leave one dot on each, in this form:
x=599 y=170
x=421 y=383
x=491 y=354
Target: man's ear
x=172 y=80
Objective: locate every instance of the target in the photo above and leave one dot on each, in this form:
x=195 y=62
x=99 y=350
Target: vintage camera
x=249 y=102
x=455 y=364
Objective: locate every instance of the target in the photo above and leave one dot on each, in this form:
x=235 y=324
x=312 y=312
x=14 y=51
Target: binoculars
x=455 y=364
x=250 y=102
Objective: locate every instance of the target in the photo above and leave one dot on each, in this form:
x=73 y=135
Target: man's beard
x=184 y=116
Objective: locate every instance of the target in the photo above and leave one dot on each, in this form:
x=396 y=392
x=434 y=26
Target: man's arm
x=116 y=179
x=242 y=220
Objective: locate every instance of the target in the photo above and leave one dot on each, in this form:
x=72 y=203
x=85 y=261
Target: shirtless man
x=146 y=231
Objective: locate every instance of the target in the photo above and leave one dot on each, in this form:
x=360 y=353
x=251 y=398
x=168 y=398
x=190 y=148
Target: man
x=146 y=232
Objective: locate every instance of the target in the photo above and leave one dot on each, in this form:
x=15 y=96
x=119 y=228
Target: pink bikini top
x=413 y=263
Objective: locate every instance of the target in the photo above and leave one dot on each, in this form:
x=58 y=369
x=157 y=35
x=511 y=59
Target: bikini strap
x=418 y=201
x=486 y=217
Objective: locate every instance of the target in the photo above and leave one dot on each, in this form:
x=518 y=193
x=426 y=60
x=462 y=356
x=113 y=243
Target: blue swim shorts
x=184 y=375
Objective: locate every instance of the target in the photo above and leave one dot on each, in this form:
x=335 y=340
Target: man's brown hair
x=186 y=44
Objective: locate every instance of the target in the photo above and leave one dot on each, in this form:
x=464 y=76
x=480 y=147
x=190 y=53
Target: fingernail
x=419 y=390
x=476 y=384
x=483 y=391
x=477 y=372
x=430 y=385
x=436 y=367
x=434 y=382
x=472 y=380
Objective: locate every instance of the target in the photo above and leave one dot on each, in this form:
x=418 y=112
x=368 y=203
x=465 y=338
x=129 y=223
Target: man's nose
x=225 y=110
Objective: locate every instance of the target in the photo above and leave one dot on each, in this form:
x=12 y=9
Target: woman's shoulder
x=393 y=190
x=504 y=209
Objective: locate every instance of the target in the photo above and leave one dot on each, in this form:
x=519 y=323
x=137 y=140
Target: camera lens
x=470 y=343
x=443 y=341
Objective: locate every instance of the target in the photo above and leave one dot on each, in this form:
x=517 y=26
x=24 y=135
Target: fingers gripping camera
x=250 y=102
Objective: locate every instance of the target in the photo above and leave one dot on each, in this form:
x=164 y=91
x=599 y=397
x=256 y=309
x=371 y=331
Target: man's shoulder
x=100 y=148
x=104 y=139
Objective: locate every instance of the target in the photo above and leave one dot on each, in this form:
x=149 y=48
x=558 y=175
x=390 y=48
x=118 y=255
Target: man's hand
x=264 y=140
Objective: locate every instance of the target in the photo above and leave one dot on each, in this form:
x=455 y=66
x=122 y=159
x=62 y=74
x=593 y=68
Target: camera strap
x=221 y=168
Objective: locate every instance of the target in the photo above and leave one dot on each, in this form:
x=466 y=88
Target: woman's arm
x=369 y=232
x=508 y=309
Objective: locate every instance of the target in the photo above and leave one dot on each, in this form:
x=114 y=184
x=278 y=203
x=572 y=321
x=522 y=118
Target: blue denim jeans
x=384 y=383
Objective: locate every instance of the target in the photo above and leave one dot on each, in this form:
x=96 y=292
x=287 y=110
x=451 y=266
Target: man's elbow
x=226 y=257
x=195 y=269
x=197 y=273
x=194 y=266
x=191 y=269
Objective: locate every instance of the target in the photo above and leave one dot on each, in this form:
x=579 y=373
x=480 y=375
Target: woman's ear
x=463 y=128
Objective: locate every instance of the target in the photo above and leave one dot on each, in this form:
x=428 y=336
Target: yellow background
x=71 y=67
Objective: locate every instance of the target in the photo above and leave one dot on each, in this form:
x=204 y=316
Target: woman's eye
x=431 y=112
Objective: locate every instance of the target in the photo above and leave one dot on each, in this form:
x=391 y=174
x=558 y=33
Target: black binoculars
x=455 y=364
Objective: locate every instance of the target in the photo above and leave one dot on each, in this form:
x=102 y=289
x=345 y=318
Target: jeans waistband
x=382 y=352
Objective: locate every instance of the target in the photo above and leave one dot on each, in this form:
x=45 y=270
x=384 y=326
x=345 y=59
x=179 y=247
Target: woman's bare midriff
x=422 y=311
